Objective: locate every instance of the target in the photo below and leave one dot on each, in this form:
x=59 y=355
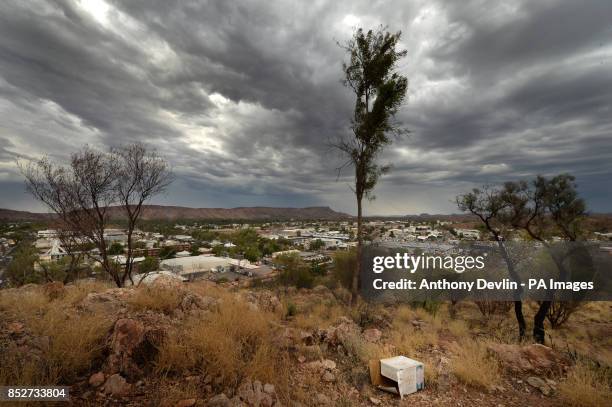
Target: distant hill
x=160 y=212
x=11 y=215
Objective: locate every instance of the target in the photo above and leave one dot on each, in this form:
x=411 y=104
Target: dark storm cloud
x=243 y=98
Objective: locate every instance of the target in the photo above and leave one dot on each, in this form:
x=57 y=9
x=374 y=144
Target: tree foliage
x=379 y=92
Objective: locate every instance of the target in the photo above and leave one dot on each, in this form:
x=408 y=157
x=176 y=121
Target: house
x=55 y=252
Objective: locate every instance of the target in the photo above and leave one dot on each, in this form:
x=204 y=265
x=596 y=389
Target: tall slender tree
x=379 y=90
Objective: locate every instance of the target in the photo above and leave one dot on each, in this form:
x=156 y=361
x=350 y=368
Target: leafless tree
x=142 y=174
x=82 y=193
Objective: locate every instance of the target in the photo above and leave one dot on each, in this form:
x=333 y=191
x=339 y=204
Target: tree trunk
x=538 y=322
x=356 y=272
x=518 y=304
x=520 y=318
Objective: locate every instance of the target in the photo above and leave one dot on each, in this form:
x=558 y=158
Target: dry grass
x=403 y=314
x=585 y=387
x=318 y=315
x=73 y=345
x=409 y=341
x=24 y=303
x=458 y=328
x=472 y=365
x=156 y=298
x=234 y=343
x=362 y=350
x=64 y=343
x=75 y=293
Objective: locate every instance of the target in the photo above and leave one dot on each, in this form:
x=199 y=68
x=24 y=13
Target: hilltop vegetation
x=207 y=344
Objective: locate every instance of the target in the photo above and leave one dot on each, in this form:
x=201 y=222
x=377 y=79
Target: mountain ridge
x=171 y=212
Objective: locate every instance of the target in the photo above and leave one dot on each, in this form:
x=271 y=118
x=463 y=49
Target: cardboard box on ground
x=397 y=375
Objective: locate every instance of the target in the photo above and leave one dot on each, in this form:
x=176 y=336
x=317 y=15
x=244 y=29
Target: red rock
x=528 y=358
x=96 y=379
x=116 y=385
x=127 y=335
x=15 y=328
x=186 y=403
x=372 y=335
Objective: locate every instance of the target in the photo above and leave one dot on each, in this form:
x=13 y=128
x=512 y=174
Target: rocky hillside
x=172 y=213
x=207 y=345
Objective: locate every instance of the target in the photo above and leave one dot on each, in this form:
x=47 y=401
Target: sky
x=244 y=98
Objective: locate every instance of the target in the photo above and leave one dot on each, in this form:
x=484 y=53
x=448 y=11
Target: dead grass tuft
x=585 y=387
x=67 y=345
x=156 y=298
x=473 y=366
x=231 y=344
x=320 y=315
x=409 y=341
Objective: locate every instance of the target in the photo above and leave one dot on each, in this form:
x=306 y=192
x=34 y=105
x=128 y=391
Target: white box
x=408 y=373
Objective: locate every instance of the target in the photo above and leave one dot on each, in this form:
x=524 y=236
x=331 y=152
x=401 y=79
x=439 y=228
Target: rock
x=193 y=302
x=307 y=338
x=116 y=385
x=163 y=281
x=541 y=357
x=253 y=394
x=264 y=300
x=328 y=377
x=127 y=335
x=322 y=400
x=186 y=403
x=301 y=359
x=372 y=335
x=529 y=358
x=111 y=301
x=15 y=328
x=96 y=379
x=269 y=388
x=329 y=364
x=54 y=290
x=220 y=400
x=342 y=332
x=417 y=323
x=375 y=401
x=319 y=365
x=540 y=384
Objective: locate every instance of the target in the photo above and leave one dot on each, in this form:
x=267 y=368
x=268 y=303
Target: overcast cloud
x=243 y=98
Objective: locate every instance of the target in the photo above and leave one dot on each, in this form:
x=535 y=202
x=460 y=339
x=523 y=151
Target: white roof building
x=195 y=264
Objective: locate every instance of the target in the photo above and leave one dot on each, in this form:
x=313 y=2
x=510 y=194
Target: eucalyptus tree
x=543 y=207
x=489 y=205
x=371 y=73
